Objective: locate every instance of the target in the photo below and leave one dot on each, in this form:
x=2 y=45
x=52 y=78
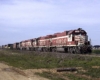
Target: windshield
x=80 y=34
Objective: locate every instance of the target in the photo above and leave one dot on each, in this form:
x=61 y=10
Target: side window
x=73 y=37
x=69 y=36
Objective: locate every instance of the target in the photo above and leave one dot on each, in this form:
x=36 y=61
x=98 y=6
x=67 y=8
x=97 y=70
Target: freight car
x=72 y=41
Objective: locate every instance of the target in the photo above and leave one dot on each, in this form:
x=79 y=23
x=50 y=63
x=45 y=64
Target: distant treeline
x=96 y=47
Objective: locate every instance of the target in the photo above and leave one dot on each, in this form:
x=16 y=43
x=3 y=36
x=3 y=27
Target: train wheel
x=54 y=50
x=89 y=50
x=50 y=49
x=70 y=50
x=66 y=50
x=77 y=51
x=44 y=50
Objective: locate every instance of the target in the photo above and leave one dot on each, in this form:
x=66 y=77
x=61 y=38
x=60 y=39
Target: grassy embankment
x=88 y=67
x=96 y=51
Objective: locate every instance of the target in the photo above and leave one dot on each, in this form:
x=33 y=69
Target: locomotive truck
x=71 y=41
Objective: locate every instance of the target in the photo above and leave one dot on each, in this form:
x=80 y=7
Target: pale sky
x=27 y=19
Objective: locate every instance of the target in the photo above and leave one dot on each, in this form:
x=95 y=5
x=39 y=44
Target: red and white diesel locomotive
x=72 y=41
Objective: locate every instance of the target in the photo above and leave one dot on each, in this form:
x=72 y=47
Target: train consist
x=72 y=41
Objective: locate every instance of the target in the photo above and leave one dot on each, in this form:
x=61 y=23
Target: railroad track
x=58 y=54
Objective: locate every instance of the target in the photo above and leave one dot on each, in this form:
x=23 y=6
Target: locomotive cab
x=80 y=36
x=80 y=39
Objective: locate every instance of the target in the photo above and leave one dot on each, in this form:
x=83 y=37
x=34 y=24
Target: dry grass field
x=30 y=65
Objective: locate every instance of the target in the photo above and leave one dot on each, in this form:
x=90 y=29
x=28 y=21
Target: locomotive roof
x=67 y=32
